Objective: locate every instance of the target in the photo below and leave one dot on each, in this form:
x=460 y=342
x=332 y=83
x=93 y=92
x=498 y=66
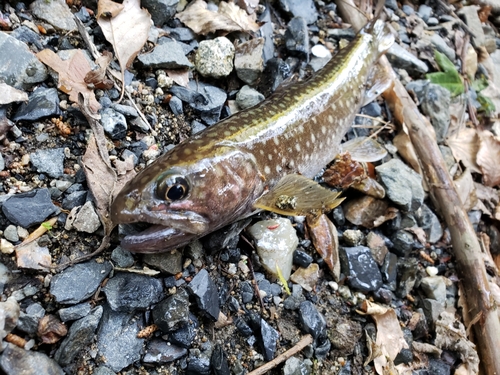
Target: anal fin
x=297 y=195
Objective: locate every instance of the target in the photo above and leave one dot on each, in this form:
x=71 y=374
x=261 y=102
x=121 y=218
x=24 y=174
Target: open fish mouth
x=156 y=238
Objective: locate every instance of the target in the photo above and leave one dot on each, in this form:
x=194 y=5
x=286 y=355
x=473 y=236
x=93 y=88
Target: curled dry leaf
x=488 y=157
x=108 y=9
x=464 y=145
x=127 y=32
x=466 y=190
x=51 y=329
x=11 y=94
x=72 y=74
x=229 y=18
x=325 y=239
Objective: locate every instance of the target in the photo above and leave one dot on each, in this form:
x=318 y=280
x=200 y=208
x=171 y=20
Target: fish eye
x=172 y=187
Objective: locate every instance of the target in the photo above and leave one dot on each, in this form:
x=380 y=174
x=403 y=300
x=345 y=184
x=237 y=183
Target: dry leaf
x=325 y=239
x=11 y=94
x=406 y=150
x=179 y=76
x=72 y=74
x=108 y=9
x=488 y=157
x=98 y=77
x=51 y=329
x=419 y=233
x=464 y=146
x=466 y=190
x=127 y=32
x=229 y=18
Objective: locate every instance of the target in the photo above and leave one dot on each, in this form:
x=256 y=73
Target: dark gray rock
x=407 y=276
x=469 y=14
x=173 y=312
x=43 y=102
x=169 y=262
x=209 y=112
x=389 y=268
x=161 y=10
x=248 y=97
x=167 y=54
x=103 y=370
x=117 y=340
x=122 y=258
x=49 y=161
x=440 y=44
x=129 y=292
x=26 y=35
x=219 y=361
x=267 y=338
x=75 y=312
x=312 y=321
x=438 y=367
x=360 y=268
x=301 y=8
x=249 y=61
x=125 y=110
x=403 y=242
x=114 y=123
x=242 y=327
x=275 y=73
x=302 y=259
x=175 y=105
x=185 y=335
x=429 y=222
x=402 y=59
x=19 y=67
x=199 y=364
x=83 y=15
x=436 y=105
x=79 y=336
x=226 y=237
x=75 y=199
x=432 y=310
x=28 y=321
x=39 y=203
x=297 y=36
x=78 y=282
x=408 y=10
x=160 y=352
x=205 y=292
x=16 y=361
x=404 y=356
x=403 y=185
x=182 y=34
x=246 y=291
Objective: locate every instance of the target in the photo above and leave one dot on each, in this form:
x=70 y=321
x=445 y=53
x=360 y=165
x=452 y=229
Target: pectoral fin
x=379 y=81
x=297 y=195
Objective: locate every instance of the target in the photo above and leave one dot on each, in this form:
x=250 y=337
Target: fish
x=262 y=158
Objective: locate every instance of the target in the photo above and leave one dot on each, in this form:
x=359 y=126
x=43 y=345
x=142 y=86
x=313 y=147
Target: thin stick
x=304 y=341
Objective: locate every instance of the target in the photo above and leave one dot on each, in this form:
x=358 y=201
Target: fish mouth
x=155 y=239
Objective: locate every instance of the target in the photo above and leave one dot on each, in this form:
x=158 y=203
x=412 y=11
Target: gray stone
x=114 y=123
x=469 y=13
x=173 y=312
x=83 y=219
x=122 y=258
x=28 y=321
x=39 y=203
x=160 y=352
x=297 y=36
x=211 y=109
x=403 y=185
x=125 y=110
x=442 y=47
x=19 y=67
x=103 y=370
x=436 y=105
x=403 y=242
x=49 y=161
x=169 y=262
x=432 y=310
x=205 y=292
x=55 y=12
x=167 y=54
x=74 y=312
x=10 y=233
x=78 y=282
x=301 y=8
x=401 y=58
x=430 y=223
x=2 y=163
x=79 y=336
x=214 y=57
x=434 y=287
x=407 y=270
x=16 y=361
x=197 y=127
x=296 y=366
x=76 y=198
x=248 y=60
x=418 y=87
x=161 y=10
x=408 y=10
x=43 y=102
x=424 y=11
x=248 y=97
x=360 y=268
x=117 y=340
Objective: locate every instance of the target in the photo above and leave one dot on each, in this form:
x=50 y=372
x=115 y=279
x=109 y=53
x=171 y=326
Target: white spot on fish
x=297 y=147
x=276 y=141
x=331 y=119
x=323 y=128
x=278 y=168
x=267 y=170
x=313 y=138
x=270 y=157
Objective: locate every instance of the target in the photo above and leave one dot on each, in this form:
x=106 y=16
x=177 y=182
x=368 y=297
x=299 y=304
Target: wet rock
x=185 y=335
x=471 y=18
x=33 y=256
x=297 y=36
x=26 y=35
x=312 y=321
x=114 y=123
x=167 y=54
x=83 y=219
x=28 y=321
x=19 y=67
x=219 y=361
x=267 y=338
x=301 y=8
x=389 y=268
x=74 y=312
x=79 y=336
x=403 y=185
x=248 y=97
x=407 y=270
x=434 y=287
x=75 y=199
x=49 y=161
x=360 y=268
x=175 y=105
x=226 y=237
x=401 y=58
x=429 y=222
x=117 y=340
x=170 y=262
x=302 y=259
x=436 y=104
x=173 y=312
x=214 y=57
x=384 y=295
x=130 y=292
x=78 y=282
x=122 y=258
x=15 y=361
x=159 y=351
x=306 y=277
x=403 y=242
x=432 y=310
x=438 y=367
x=296 y=366
x=248 y=60
x=276 y=240
x=418 y=325
x=55 y=12
x=242 y=326
x=39 y=202
x=161 y=10
x=199 y=364
x=246 y=290
x=210 y=110
x=205 y=292
x=43 y=102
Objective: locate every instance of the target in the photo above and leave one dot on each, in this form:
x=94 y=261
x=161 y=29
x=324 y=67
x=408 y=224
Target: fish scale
x=225 y=172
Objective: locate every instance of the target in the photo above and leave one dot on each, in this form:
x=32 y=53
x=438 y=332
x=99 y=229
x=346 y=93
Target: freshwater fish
x=260 y=158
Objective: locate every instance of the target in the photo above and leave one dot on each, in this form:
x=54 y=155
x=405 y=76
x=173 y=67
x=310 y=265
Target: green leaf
x=449 y=78
x=47 y=225
x=487 y=105
x=479 y=84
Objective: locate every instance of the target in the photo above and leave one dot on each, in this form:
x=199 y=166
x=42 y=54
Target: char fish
x=260 y=158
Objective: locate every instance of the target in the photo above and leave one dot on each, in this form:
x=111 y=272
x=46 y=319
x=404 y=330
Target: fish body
x=220 y=175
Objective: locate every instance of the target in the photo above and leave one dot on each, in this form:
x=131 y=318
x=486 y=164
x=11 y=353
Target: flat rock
x=49 y=161
x=205 y=292
x=159 y=351
x=43 y=102
x=78 y=282
x=33 y=256
x=19 y=67
x=210 y=110
x=84 y=219
x=169 y=262
x=312 y=321
x=55 y=12
x=248 y=97
x=16 y=361
x=167 y=54
x=401 y=58
x=39 y=203
x=360 y=268
x=161 y=10
x=74 y=312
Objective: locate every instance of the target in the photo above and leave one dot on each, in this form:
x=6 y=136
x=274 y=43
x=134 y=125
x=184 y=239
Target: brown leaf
x=51 y=330
x=179 y=76
x=72 y=74
x=419 y=233
x=406 y=150
x=488 y=158
x=344 y=172
x=325 y=239
x=127 y=32
x=11 y=94
x=229 y=18
x=465 y=189
x=108 y=9
x=464 y=146
x=98 y=77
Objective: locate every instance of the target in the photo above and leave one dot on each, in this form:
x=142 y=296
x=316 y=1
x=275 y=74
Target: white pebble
x=320 y=51
x=431 y=271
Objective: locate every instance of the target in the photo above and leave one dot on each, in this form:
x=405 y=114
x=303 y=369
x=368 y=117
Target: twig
x=304 y=341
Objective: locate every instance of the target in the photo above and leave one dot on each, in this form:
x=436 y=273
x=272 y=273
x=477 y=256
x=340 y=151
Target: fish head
x=185 y=195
